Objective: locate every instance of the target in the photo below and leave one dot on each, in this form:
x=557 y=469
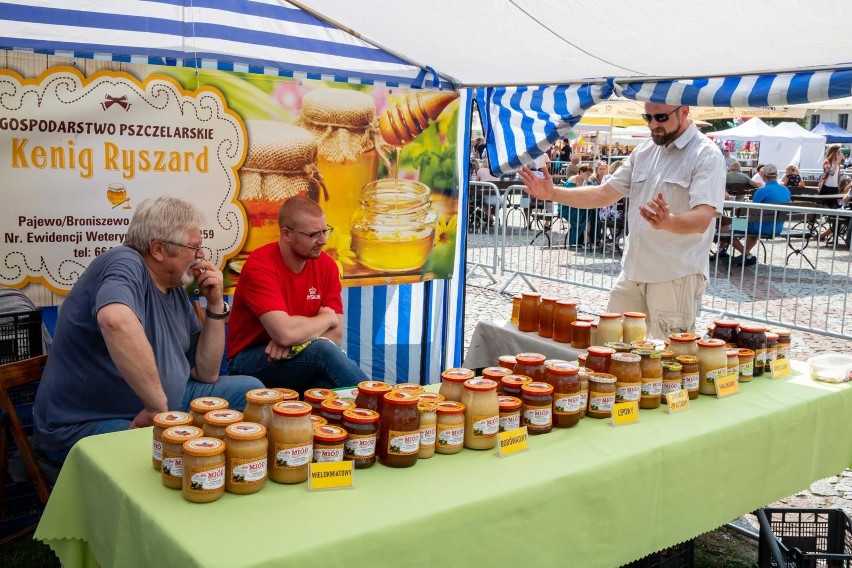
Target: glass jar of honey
x=452 y=383
x=399 y=430
x=315 y=396
x=726 y=330
x=530 y=365
x=712 y=364
x=291 y=441
x=495 y=373
x=667 y=356
x=370 y=395
x=482 y=415
x=510 y=385
x=203 y=470
x=332 y=410
x=609 y=328
x=450 y=426
x=162 y=422
x=537 y=409
x=565 y=380
x=733 y=365
x=601 y=395
x=581 y=334
x=246 y=458
x=546 y=312
x=746 y=370
x=672 y=379
x=173 y=439
x=510 y=413
x=564 y=314
x=753 y=336
x=516 y=308
x=329 y=441
x=690 y=374
x=598 y=359
x=259 y=404
x=507 y=361
x=784 y=342
x=652 y=377
x=216 y=421
x=528 y=314
x=627 y=369
x=201 y=406
x=771 y=350
x=428 y=410
x=634 y=327
x=683 y=343
x=362 y=432
x=583 y=376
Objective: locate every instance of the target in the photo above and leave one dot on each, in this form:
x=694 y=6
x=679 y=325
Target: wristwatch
x=223 y=315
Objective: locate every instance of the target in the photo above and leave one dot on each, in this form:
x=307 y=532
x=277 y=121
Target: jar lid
x=412 y=388
x=601 y=351
x=338 y=107
x=647 y=353
x=548 y=299
x=509 y=402
x=711 y=343
x=319 y=395
x=291 y=408
x=610 y=316
x=672 y=366
x=223 y=417
x=480 y=385
x=562 y=368
x=245 y=431
x=781 y=331
x=336 y=405
x=604 y=378
x=515 y=380
x=205 y=404
x=317 y=420
x=289 y=394
x=264 y=396
x=329 y=433
x=517 y=297
x=172 y=418
x=627 y=357
x=754 y=328
x=495 y=373
x=373 y=387
x=685 y=337
x=450 y=407
x=180 y=434
x=586 y=318
x=279 y=147
x=507 y=359
x=548 y=362
x=618 y=346
x=401 y=397
x=726 y=323
x=427 y=406
x=530 y=295
x=581 y=358
x=771 y=336
x=581 y=323
x=745 y=353
x=643 y=344
x=530 y=358
x=204 y=447
x=686 y=359
x=537 y=388
x=732 y=352
x=431 y=397
x=566 y=302
x=457 y=375
x=361 y=415
x=667 y=354
x=634 y=315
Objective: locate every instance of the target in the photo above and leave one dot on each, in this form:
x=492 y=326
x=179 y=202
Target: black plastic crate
x=20 y=336
x=677 y=556
x=804 y=538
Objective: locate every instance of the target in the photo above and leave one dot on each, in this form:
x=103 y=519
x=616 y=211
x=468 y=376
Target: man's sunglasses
x=661 y=117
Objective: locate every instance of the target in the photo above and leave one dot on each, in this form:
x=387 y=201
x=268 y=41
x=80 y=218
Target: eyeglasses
x=190 y=247
x=661 y=117
x=315 y=235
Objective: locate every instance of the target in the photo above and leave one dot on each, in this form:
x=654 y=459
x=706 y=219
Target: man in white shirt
x=676 y=186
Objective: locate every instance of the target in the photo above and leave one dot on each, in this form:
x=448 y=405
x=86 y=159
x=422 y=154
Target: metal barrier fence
x=801 y=278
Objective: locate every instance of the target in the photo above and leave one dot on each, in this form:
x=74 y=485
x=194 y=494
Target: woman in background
x=576 y=217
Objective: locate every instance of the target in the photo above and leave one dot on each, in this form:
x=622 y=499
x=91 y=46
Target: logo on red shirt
x=312 y=294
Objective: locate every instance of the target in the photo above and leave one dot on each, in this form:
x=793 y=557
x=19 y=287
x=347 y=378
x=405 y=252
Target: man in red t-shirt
x=287 y=319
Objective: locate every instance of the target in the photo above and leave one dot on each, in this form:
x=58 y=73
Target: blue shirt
x=772 y=192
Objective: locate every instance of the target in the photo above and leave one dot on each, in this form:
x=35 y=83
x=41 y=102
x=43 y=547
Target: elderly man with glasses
x=675 y=184
x=287 y=320
x=128 y=344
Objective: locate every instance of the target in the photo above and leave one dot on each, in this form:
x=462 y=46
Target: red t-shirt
x=266 y=285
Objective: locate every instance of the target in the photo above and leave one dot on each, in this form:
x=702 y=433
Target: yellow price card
x=330 y=475
x=511 y=442
x=780 y=368
x=625 y=413
x=677 y=401
x=726 y=385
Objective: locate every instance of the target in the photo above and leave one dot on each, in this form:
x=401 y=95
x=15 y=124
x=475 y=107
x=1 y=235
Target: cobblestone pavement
x=484 y=301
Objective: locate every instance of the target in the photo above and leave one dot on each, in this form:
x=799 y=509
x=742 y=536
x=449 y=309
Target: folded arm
x=285 y=329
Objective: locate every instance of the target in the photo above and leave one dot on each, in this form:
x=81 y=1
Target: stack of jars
x=550 y=317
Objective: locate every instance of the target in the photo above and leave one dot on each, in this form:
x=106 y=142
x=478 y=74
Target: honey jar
x=746 y=359
x=784 y=342
x=410 y=388
x=163 y=421
x=753 y=336
x=601 y=395
x=507 y=361
x=201 y=406
x=370 y=395
x=291 y=441
x=565 y=380
x=726 y=330
x=516 y=308
x=450 y=427
x=528 y=314
x=332 y=410
x=530 y=365
x=564 y=315
x=683 y=343
x=216 y=421
x=482 y=416
x=315 y=396
x=173 y=439
x=652 y=377
x=690 y=374
x=289 y=394
x=634 y=327
x=317 y=420
x=545 y=317
x=733 y=365
x=583 y=375
x=431 y=397
x=510 y=413
x=428 y=427
x=672 y=379
x=259 y=404
x=510 y=385
x=329 y=441
x=627 y=369
x=362 y=432
x=495 y=373
x=399 y=430
x=452 y=383
x=246 y=458
x=712 y=364
x=203 y=470
x=581 y=334
x=609 y=328
x=598 y=359
x=771 y=350
x=537 y=409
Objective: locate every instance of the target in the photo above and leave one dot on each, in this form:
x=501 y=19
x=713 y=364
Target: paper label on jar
x=625 y=392
x=173 y=464
x=538 y=417
x=690 y=381
x=584 y=398
x=157 y=450
x=450 y=436
x=652 y=388
x=601 y=401
x=245 y=471
x=510 y=421
x=746 y=369
x=760 y=356
x=783 y=352
x=671 y=386
x=328 y=454
x=566 y=403
x=360 y=446
x=714 y=375
x=427 y=436
x=206 y=479
x=293 y=456
x=403 y=443
x=485 y=426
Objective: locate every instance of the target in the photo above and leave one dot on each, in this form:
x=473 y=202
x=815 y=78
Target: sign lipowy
x=78 y=154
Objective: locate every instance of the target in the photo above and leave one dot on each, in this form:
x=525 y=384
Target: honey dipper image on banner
x=403 y=122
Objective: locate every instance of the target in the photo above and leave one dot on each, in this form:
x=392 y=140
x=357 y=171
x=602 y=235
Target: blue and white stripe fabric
x=250 y=36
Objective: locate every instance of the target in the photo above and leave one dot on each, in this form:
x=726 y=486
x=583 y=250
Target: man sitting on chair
x=772 y=192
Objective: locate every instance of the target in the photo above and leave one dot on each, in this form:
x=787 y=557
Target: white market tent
x=531 y=69
x=751 y=130
x=789 y=143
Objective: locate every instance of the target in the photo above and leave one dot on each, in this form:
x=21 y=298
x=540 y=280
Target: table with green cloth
x=593 y=495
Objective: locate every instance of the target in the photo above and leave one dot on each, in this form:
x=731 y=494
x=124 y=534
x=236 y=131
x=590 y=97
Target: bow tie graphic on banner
x=121 y=101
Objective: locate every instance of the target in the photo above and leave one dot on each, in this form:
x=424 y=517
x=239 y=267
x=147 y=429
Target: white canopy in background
x=750 y=130
x=789 y=143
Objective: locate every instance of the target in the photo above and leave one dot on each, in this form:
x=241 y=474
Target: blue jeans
x=322 y=364
x=232 y=388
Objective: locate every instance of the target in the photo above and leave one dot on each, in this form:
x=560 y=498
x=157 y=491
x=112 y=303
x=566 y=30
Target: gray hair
x=735 y=167
x=164 y=218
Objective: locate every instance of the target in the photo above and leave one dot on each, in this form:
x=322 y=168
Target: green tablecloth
x=594 y=495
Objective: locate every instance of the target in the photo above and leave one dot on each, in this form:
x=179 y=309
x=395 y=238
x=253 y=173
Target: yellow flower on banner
x=338 y=247
x=445 y=232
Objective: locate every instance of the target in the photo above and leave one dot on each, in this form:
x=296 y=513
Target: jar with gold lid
x=684 y=343
x=329 y=441
x=530 y=365
x=528 y=314
x=202 y=405
x=618 y=346
x=162 y=422
x=259 y=404
x=216 y=421
x=712 y=364
x=482 y=415
x=652 y=377
x=598 y=358
x=246 y=458
x=564 y=314
x=399 y=430
x=291 y=441
x=565 y=380
x=609 y=328
x=546 y=312
x=289 y=394
x=203 y=469
x=315 y=396
x=672 y=379
x=332 y=410
x=510 y=413
x=452 y=383
x=173 y=439
x=370 y=395
x=784 y=342
x=362 y=434
x=601 y=395
x=634 y=327
x=450 y=427
x=428 y=411
x=690 y=374
x=537 y=409
x=510 y=385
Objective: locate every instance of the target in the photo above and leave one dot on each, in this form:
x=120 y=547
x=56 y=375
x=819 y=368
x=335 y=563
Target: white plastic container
x=831 y=367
